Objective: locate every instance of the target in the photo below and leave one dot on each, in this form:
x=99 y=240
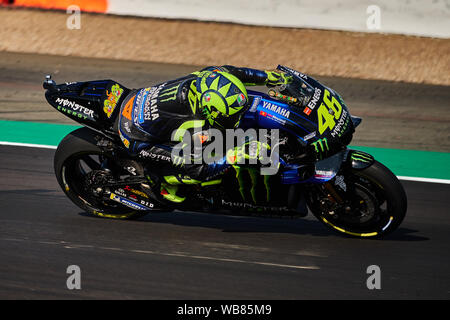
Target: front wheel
x=361 y=203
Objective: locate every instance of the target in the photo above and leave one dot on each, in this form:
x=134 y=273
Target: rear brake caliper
x=95 y=182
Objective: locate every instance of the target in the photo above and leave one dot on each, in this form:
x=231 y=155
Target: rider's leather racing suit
x=149 y=116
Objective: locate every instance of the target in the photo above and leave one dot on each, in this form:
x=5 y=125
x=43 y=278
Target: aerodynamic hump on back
x=92 y=103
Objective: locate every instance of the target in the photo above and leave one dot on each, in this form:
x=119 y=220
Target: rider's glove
x=275 y=78
x=253 y=150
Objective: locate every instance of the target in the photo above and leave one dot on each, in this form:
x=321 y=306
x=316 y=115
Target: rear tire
x=376 y=203
x=72 y=155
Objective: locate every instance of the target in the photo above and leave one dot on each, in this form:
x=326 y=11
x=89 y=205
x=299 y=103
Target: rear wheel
x=79 y=169
x=362 y=203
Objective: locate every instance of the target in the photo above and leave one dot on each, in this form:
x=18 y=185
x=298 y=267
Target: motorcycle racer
x=311 y=168
x=214 y=97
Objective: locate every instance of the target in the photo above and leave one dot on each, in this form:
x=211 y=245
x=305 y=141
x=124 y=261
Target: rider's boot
x=170 y=185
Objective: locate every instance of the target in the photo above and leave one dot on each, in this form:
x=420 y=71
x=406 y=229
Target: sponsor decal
x=129 y=203
x=324 y=174
x=277 y=109
x=275 y=118
x=323 y=144
x=128 y=109
x=241 y=99
x=298 y=74
x=201 y=137
x=169 y=94
x=120 y=192
x=272 y=117
x=147 y=204
x=147 y=102
x=138 y=192
x=113 y=97
x=126 y=125
x=329 y=112
x=125 y=141
x=131 y=170
x=138 y=106
x=361 y=156
x=255 y=103
x=244 y=205
x=73 y=108
x=339 y=181
x=307 y=111
x=315 y=98
x=132 y=196
x=341 y=126
x=154 y=156
x=309 y=136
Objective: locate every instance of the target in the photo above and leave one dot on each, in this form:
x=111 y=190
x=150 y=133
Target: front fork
x=349 y=159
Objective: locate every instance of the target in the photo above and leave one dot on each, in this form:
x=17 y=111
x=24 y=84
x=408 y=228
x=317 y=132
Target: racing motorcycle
x=347 y=190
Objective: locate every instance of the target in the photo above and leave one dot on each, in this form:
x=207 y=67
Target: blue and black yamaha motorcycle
x=347 y=190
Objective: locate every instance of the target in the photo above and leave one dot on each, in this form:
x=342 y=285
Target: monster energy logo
x=192 y=97
x=177 y=161
x=254 y=207
x=363 y=157
x=171 y=92
x=322 y=143
x=254 y=178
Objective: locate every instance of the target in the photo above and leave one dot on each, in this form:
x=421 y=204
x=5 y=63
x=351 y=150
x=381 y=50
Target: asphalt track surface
x=200 y=256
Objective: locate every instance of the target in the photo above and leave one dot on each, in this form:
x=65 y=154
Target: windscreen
x=321 y=105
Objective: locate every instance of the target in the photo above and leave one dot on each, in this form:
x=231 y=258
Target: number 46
x=328 y=112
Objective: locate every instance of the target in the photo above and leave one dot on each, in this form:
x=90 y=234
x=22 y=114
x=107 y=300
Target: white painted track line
x=405 y=178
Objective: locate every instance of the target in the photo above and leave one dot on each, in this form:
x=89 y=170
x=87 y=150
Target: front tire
x=372 y=202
